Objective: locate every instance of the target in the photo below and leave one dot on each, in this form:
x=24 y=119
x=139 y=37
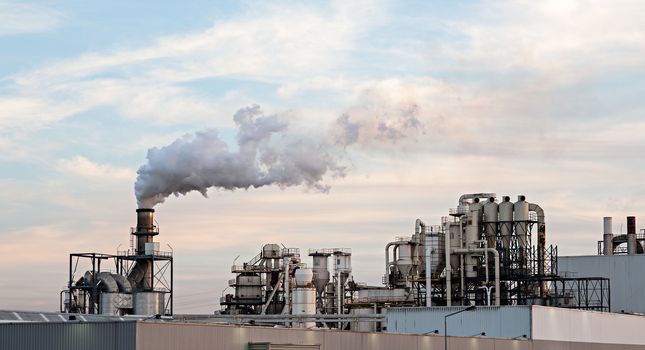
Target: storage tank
x=304 y=277
x=506 y=221
x=404 y=262
x=521 y=218
x=491 y=212
x=320 y=271
x=472 y=234
x=435 y=241
x=304 y=303
x=342 y=261
x=149 y=303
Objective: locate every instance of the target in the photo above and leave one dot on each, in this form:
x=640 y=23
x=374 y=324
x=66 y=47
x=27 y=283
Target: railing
x=330 y=251
x=132 y=252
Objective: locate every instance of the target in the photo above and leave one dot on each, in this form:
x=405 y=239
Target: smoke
x=267 y=155
x=385 y=114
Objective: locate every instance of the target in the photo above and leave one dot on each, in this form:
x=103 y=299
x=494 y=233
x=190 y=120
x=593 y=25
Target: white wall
x=571 y=325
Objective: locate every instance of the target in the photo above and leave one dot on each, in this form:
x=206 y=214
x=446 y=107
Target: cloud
x=17 y=17
x=81 y=166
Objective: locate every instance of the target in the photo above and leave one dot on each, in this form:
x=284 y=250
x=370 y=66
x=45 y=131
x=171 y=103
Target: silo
x=521 y=218
x=491 y=212
x=320 y=270
x=506 y=221
x=404 y=261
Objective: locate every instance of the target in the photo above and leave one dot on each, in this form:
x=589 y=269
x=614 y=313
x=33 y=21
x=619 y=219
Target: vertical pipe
x=287 y=304
x=428 y=257
x=608 y=236
x=448 y=268
x=339 y=307
x=631 y=235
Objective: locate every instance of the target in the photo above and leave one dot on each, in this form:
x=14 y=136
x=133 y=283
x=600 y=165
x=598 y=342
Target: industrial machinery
x=139 y=281
x=622 y=244
x=484 y=252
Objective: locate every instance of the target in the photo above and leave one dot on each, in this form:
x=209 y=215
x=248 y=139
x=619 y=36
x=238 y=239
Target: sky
x=412 y=103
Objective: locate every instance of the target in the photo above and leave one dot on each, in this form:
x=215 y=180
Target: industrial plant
x=482 y=276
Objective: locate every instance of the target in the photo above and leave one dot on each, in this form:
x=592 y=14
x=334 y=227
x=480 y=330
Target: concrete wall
x=626 y=274
x=169 y=336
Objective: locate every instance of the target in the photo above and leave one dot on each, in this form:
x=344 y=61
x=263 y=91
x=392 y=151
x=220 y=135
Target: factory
x=481 y=277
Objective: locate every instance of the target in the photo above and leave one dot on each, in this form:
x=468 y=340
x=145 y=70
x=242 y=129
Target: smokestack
x=145 y=230
x=631 y=235
x=608 y=236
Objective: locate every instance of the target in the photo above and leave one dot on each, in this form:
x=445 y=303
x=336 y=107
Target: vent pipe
x=608 y=236
x=145 y=230
x=631 y=235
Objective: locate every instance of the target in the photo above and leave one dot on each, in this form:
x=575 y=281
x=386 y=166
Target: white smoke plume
x=197 y=162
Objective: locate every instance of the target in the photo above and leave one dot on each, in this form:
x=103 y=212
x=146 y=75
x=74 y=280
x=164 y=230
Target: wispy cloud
x=81 y=166
x=18 y=17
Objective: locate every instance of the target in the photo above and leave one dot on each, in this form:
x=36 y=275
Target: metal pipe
x=608 y=236
x=387 y=262
x=448 y=267
x=496 y=256
x=287 y=304
x=428 y=257
x=462 y=280
x=338 y=297
x=541 y=239
x=465 y=197
x=631 y=235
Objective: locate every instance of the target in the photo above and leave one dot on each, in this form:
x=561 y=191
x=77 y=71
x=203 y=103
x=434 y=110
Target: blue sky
x=516 y=97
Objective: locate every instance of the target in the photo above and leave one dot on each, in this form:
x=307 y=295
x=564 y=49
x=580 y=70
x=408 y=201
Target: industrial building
x=482 y=277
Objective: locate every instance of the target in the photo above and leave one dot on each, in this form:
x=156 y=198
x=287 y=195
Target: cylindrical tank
x=363 y=326
x=455 y=243
x=506 y=221
x=491 y=212
x=631 y=235
x=108 y=306
x=304 y=277
x=608 y=236
x=404 y=262
x=149 y=303
x=521 y=218
x=343 y=262
x=434 y=240
x=321 y=272
x=472 y=234
x=304 y=303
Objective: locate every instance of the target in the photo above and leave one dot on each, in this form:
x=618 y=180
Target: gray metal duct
x=541 y=238
x=468 y=196
x=109 y=283
x=124 y=284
